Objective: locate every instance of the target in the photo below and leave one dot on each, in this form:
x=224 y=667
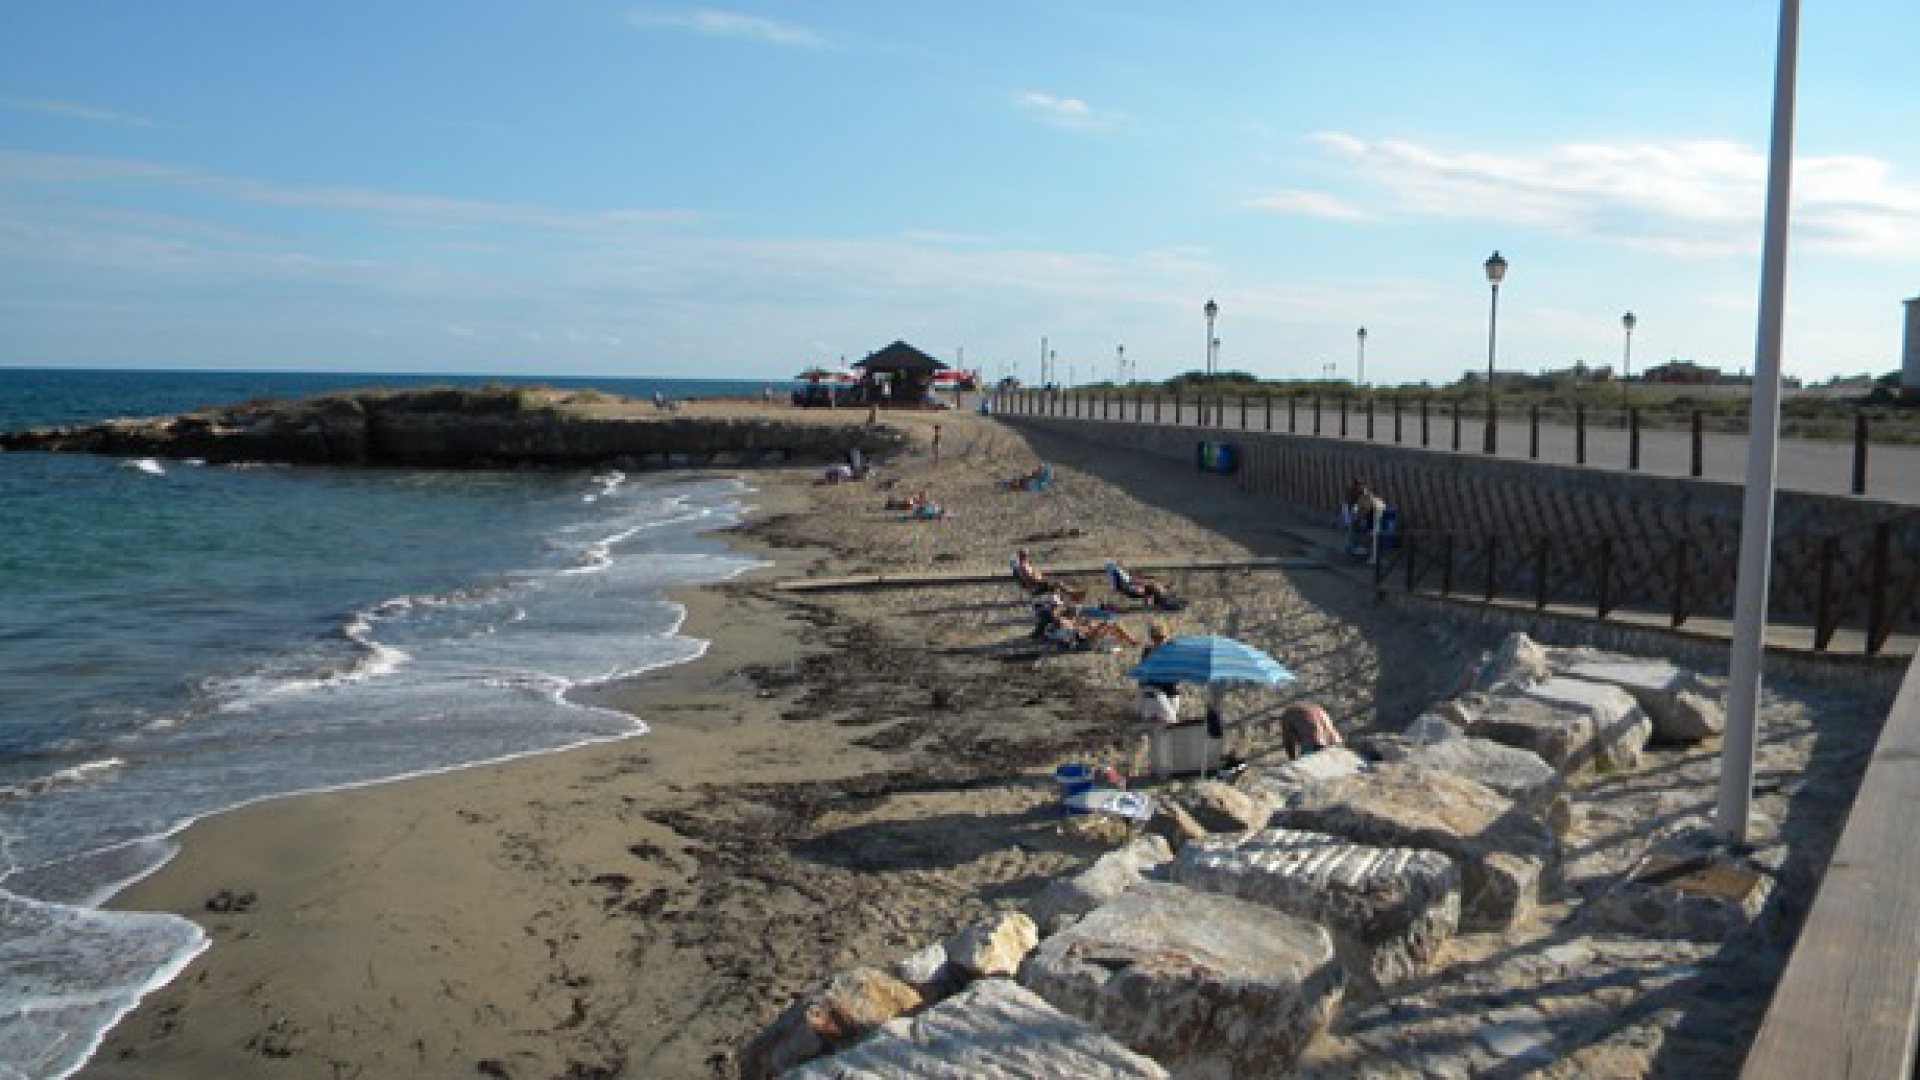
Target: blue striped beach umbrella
x=1208 y=659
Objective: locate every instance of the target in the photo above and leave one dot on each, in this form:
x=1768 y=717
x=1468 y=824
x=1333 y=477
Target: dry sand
x=843 y=778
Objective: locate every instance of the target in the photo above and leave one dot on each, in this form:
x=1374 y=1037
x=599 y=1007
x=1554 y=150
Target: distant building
x=1910 y=357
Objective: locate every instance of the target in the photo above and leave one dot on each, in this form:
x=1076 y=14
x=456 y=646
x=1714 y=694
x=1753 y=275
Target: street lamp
x=1496 y=272
x=1213 y=343
x=1120 y=364
x=1627 y=323
x=1362 y=380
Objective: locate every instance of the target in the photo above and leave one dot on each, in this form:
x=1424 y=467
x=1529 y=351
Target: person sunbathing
x=1071 y=631
x=913 y=501
x=1031 y=579
x=1135 y=587
x=928 y=510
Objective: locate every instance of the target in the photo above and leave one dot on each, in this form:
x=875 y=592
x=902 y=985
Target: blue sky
x=604 y=188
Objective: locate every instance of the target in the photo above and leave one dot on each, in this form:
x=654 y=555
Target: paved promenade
x=1893 y=471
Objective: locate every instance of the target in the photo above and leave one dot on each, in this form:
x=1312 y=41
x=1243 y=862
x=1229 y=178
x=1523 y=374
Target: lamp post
x=1362 y=377
x=1120 y=364
x=1053 y=367
x=1627 y=323
x=1496 y=272
x=1213 y=343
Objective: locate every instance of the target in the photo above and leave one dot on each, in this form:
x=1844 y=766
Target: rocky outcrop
x=1391 y=910
x=995 y=1030
x=461 y=428
x=1207 y=985
x=1276 y=780
x=1520 y=775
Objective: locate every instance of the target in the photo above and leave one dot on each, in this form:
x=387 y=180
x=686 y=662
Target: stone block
x=1517 y=663
x=1218 y=807
x=1110 y=875
x=1684 y=706
x=1688 y=885
x=1207 y=985
x=1391 y=910
x=1174 y=825
x=1621 y=727
x=993 y=947
x=1561 y=738
x=848 y=1006
x=1277 y=780
x=1520 y=775
x=1504 y=854
x=928 y=971
x=996 y=1029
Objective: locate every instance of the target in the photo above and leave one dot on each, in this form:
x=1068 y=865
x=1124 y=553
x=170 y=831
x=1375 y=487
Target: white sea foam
x=67 y=777
x=415 y=685
x=150 y=466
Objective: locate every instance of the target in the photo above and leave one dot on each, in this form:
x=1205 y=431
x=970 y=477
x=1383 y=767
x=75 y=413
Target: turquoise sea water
x=177 y=639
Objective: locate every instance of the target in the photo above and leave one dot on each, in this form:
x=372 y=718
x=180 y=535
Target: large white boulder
x=1685 y=707
x=996 y=1029
x=1275 y=779
x=1520 y=775
x=994 y=946
x=1621 y=727
x=1207 y=985
x=1504 y=854
x=1391 y=910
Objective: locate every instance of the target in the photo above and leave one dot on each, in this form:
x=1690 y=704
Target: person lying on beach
x=1037 y=480
x=1305 y=728
x=1031 y=579
x=1134 y=587
x=914 y=500
x=928 y=510
x=1080 y=632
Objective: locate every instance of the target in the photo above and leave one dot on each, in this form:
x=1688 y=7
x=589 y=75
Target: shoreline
x=838 y=780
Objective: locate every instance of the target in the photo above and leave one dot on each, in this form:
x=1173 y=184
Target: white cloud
x=73 y=110
x=1684 y=197
x=732 y=24
x=1063 y=112
x=1314 y=204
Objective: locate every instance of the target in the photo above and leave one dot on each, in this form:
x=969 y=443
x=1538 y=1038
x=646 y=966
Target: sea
x=178 y=639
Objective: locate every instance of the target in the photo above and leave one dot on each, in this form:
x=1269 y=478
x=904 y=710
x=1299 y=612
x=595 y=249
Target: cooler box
x=1182 y=749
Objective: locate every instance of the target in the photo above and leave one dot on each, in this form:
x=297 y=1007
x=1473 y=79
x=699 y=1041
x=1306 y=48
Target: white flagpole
x=1763 y=450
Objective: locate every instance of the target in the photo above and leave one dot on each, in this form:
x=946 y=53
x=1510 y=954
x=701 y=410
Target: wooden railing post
x=1269 y=412
x=1456 y=424
x=1878 y=583
x=1176 y=408
x=1698 y=446
x=1243 y=412
x=1606 y=576
x=1633 y=439
x=1369 y=419
x=1293 y=414
x=1579 y=434
x=1425 y=433
x=1533 y=432
x=1860 y=453
x=1682 y=569
x=1316 y=414
x=1396 y=421
x=1346 y=406
x=1540 y=572
x=1826 y=618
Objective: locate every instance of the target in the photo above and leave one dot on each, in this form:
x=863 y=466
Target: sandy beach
x=847 y=776
x=842 y=778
